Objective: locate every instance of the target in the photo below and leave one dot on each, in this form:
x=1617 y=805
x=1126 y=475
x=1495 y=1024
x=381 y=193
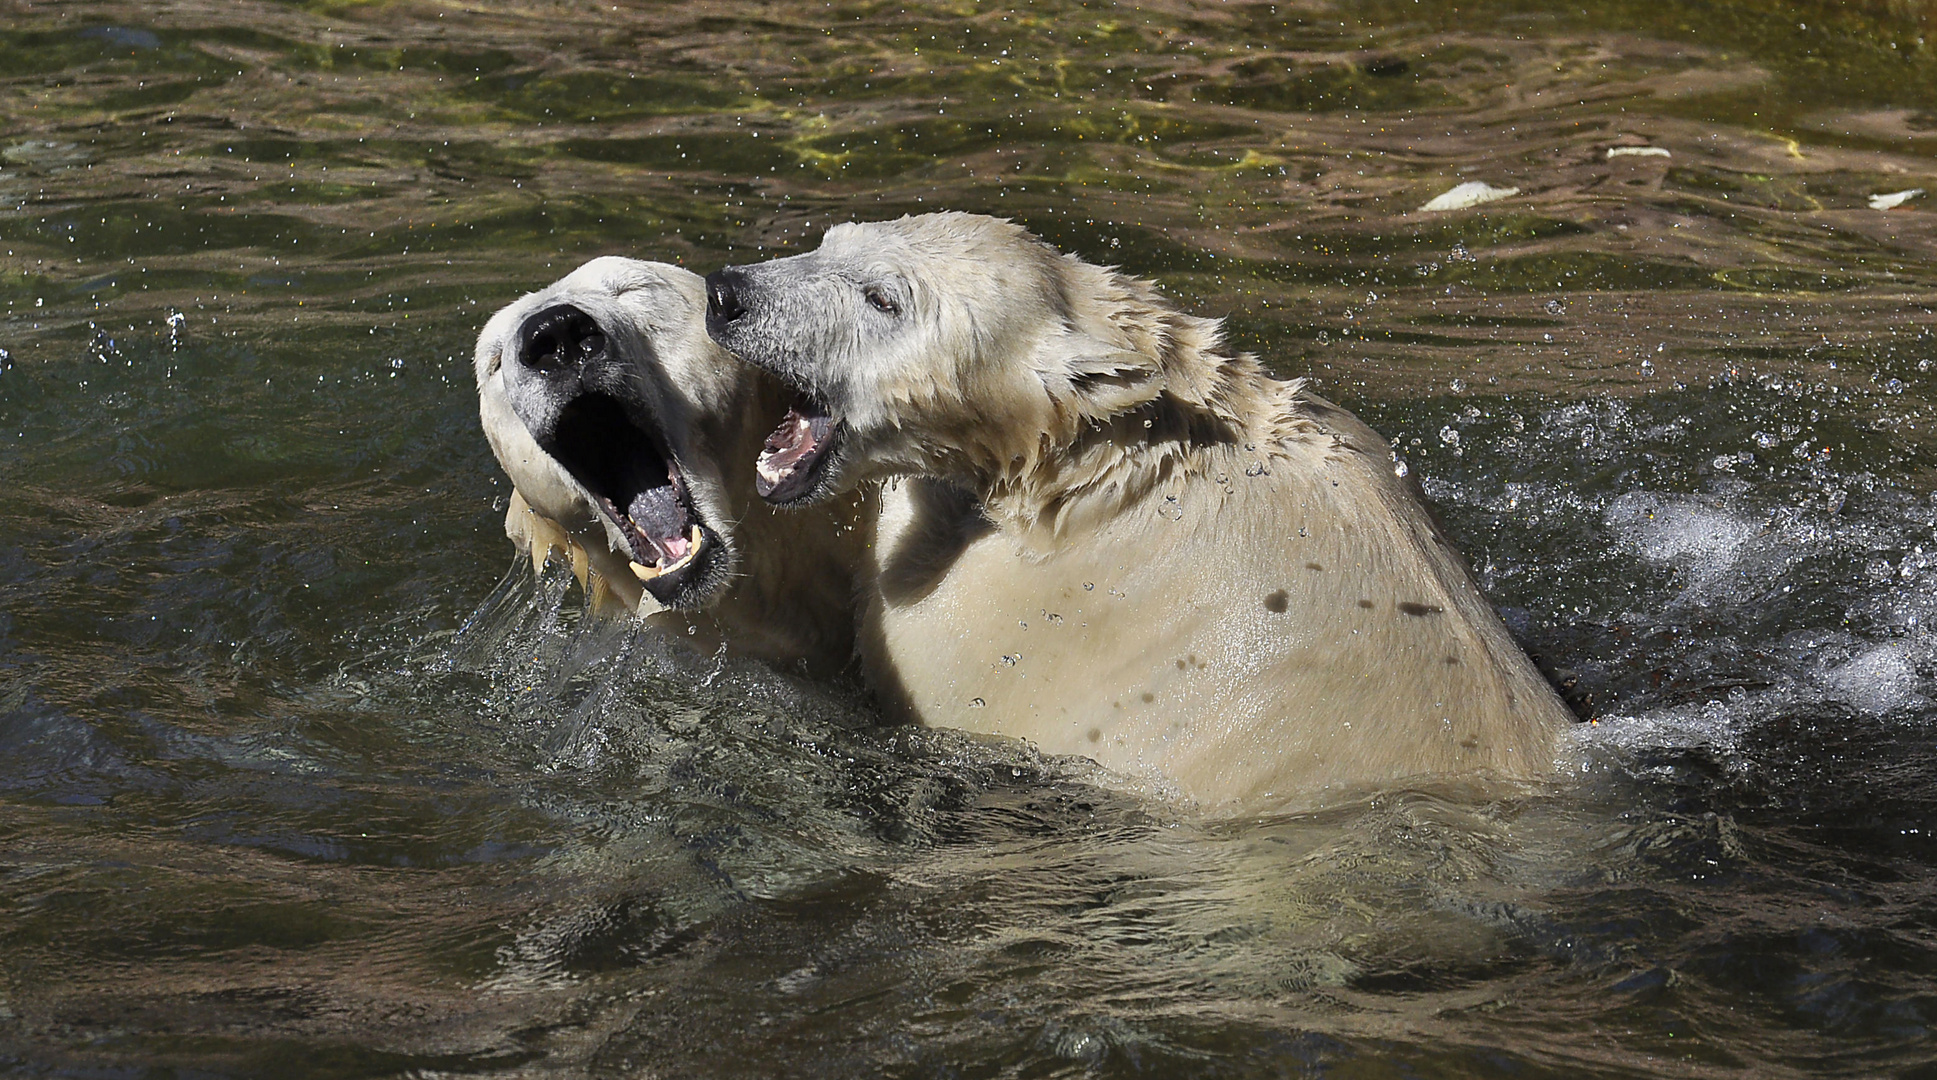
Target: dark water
x=292 y=785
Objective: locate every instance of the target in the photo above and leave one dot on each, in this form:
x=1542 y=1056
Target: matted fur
x=1125 y=542
x=785 y=590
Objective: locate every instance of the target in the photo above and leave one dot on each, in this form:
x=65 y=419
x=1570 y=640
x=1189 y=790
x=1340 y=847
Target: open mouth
x=634 y=484
x=795 y=457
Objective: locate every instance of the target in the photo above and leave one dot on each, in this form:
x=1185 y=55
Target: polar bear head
x=614 y=416
x=949 y=345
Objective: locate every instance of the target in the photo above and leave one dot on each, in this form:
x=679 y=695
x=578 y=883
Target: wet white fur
x=791 y=595
x=1181 y=567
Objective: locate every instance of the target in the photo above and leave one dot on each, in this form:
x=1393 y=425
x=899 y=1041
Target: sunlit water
x=296 y=780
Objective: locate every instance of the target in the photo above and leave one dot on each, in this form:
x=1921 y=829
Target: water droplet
x=1448 y=436
x=1766 y=439
x=1556 y=307
x=1459 y=386
x=1399 y=467
x=1894 y=386
x=1256 y=468
x=1011 y=661
x=1088 y=585
x=976 y=703
x=1171 y=508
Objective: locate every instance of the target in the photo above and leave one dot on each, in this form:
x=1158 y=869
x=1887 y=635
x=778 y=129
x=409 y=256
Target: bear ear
x=1103 y=381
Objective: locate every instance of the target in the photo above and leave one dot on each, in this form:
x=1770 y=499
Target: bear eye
x=881 y=301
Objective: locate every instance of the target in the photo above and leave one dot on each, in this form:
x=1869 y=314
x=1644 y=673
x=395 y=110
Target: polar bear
x=1119 y=539
x=629 y=439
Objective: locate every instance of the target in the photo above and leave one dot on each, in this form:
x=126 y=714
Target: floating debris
x=1637 y=151
x=1894 y=199
x=1471 y=193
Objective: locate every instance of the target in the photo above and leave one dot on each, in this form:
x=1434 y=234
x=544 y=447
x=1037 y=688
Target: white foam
x=1705 y=537
x=1715 y=725
x=1880 y=679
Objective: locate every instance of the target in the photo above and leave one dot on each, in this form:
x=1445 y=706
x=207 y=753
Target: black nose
x=559 y=337
x=723 y=296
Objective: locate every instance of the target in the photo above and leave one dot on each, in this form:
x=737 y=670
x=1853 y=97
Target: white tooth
x=644 y=572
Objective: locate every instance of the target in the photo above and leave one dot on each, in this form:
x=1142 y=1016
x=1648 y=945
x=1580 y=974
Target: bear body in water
x=1114 y=538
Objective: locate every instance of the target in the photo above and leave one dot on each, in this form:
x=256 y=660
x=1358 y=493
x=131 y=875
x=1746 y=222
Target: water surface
x=298 y=780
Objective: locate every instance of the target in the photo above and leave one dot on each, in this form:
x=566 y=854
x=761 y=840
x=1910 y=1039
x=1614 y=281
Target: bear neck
x=1195 y=413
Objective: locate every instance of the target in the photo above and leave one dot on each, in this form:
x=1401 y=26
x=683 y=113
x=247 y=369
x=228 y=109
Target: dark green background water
x=287 y=790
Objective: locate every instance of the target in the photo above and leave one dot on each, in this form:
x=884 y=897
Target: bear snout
x=558 y=338
x=723 y=305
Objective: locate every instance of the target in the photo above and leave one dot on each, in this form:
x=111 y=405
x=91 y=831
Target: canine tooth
x=644 y=572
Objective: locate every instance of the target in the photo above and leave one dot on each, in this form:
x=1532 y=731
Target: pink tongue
x=657 y=515
x=790 y=452
x=792 y=440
